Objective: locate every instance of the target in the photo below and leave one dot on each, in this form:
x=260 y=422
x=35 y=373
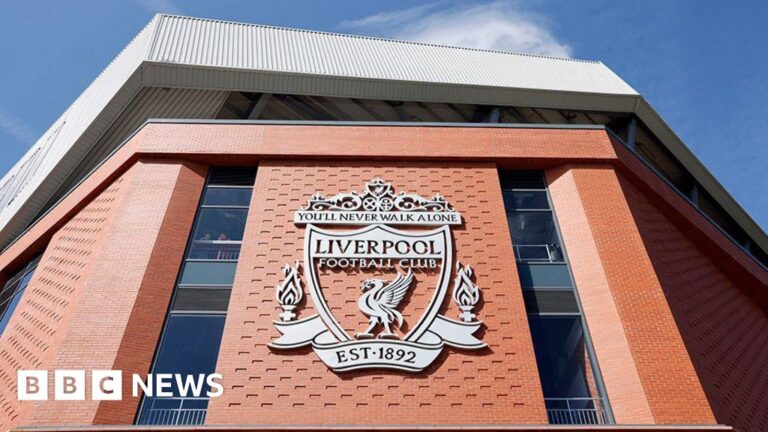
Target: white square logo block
x=106 y=385
x=32 y=385
x=69 y=384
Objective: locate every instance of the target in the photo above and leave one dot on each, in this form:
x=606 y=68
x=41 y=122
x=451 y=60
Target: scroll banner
x=384 y=353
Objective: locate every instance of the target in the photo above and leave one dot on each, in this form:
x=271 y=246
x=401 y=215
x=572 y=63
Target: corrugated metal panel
x=64 y=143
x=194 y=41
x=160 y=74
x=179 y=41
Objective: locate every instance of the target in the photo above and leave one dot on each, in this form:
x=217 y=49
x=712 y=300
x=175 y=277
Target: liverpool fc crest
x=402 y=260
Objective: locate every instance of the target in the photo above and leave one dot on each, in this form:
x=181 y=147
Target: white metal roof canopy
x=217 y=56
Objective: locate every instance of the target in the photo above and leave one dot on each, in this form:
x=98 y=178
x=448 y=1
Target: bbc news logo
x=107 y=385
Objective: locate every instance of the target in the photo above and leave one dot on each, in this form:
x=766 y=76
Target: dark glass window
x=221 y=219
x=221 y=224
x=201 y=298
x=232 y=176
x=534 y=236
x=571 y=395
x=8 y=291
x=545 y=301
x=521 y=179
x=9 y=307
x=532 y=228
x=227 y=196
x=11 y=293
x=531 y=222
x=562 y=356
x=190 y=347
x=529 y=200
x=218 y=234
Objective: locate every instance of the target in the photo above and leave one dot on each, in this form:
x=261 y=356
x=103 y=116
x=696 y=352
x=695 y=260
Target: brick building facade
x=611 y=299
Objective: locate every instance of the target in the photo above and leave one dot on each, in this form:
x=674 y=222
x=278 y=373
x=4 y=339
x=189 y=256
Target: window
x=534 y=236
x=567 y=367
x=561 y=350
x=570 y=391
x=195 y=323
x=220 y=223
x=526 y=200
x=227 y=196
x=11 y=293
x=189 y=347
x=530 y=219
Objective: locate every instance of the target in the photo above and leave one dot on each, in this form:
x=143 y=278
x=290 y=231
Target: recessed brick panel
x=498 y=385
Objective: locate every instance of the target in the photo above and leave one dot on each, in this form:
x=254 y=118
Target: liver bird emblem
x=379 y=302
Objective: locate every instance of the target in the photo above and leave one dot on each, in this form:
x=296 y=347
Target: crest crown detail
x=379 y=196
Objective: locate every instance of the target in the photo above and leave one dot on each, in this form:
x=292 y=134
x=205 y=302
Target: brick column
x=117 y=321
x=647 y=372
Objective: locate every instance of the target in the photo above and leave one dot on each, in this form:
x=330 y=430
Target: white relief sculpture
x=378 y=196
x=289 y=293
x=380 y=301
x=465 y=293
x=379 y=246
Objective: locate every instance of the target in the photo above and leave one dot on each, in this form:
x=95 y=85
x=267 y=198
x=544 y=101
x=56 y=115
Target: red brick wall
x=659 y=356
x=127 y=291
x=725 y=333
x=101 y=291
x=499 y=385
x=31 y=339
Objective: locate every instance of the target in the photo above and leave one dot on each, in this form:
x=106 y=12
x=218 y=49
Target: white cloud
x=500 y=25
x=387 y=19
x=16 y=127
x=160 y=6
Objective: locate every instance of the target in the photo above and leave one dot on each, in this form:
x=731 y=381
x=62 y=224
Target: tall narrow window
x=193 y=328
x=570 y=380
x=11 y=293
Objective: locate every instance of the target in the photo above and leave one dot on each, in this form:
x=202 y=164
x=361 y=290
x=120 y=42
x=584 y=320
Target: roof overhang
x=205 y=55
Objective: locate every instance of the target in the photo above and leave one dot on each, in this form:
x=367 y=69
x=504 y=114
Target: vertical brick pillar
x=117 y=320
x=647 y=372
x=40 y=320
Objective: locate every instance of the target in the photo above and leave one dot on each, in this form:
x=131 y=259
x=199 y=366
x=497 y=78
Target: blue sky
x=702 y=65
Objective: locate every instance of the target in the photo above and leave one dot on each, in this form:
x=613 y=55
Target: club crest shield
x=401 y=280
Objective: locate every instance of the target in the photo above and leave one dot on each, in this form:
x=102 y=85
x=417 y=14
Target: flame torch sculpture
x=465 y=293
x=289 y=293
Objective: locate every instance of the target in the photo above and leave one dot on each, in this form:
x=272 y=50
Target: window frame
x=596 y=372
x=550 y=209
